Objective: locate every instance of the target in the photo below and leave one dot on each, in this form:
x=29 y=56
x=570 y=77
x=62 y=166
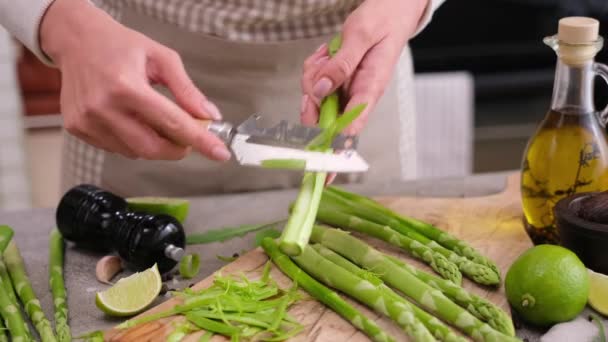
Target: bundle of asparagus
x=353 y=211
x=433 y=300
x=15 y=287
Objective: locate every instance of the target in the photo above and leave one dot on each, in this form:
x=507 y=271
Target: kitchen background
x=483 y=82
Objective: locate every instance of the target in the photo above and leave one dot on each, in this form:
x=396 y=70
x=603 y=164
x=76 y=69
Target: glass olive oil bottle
x=569 y=151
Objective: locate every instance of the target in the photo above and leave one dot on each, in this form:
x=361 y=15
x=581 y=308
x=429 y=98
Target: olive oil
x=568 y=153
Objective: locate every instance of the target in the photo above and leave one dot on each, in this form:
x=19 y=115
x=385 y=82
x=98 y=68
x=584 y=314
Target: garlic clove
x=108 y=267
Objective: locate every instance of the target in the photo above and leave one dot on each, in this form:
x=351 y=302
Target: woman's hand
x=107 y=97
x=373 y=37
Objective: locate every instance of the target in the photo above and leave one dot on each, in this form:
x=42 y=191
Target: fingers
x=369 y=83
x=340 y=67
x=144 y=141
x=330 y=178
x=167 y=68
x=101 y=137
x=309 y=109
x=170 y=121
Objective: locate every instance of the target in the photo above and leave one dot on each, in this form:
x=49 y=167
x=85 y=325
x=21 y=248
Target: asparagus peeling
x=25 y=292
x=299 y=225
x=365 y=208
x=479 y=307
x=324 y=294
x=439 y=330
x=57 y=285
x=397 y=277
x=435 y=260
x=236 y=307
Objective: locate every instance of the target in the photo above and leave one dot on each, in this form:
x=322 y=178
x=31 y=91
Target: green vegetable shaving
x=182 y=329
x=286 y=164
x=206 y=337
x=189 y=266
x=226 y=233
x=236 y=307
x=262 y=234
x=601 y=335
x=226 y=258
x=94 y=336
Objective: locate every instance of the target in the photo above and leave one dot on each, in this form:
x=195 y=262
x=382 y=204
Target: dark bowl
x=589 y=240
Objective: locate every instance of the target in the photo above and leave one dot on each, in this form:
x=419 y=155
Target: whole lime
x=547 y=284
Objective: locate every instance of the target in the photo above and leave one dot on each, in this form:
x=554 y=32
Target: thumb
x=341 y=66
x=170 y=71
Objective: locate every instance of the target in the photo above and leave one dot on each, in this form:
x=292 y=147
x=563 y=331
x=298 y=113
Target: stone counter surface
x=33 y=226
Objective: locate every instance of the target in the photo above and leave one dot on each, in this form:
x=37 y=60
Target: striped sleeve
x=22 y=19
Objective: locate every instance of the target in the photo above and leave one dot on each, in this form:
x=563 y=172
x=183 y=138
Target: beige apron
x=242 y=79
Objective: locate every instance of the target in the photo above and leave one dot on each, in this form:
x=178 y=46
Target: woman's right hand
x=107 y=97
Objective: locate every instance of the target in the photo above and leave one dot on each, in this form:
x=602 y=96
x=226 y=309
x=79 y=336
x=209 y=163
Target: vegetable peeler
x=255 y=145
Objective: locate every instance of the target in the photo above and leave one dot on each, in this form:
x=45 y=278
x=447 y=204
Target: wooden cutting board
x=492 y=224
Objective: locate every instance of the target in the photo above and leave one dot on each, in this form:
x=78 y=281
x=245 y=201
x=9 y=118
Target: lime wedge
x=598 y=292
x=132 y=294
x=175 y=207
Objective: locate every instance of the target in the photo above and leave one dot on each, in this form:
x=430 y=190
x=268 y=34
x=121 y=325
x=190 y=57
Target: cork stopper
x=578 y=30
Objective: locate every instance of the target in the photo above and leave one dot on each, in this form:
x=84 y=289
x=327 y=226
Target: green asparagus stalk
x=7 y=286
x=299 y=226
x=479 y=273
x=479 y=307
x=441 y=331
x=6 y=282
x=443 y=238
x=9 y=307
x=374 y=296
x=324 y=294
x=435 y=260
x=3 y=336
x=12 y=317
x=6 y=235
x=57 y=285
x=430 y=298
x=23 y=287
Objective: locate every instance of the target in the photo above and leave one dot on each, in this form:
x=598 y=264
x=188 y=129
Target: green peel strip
x=286 y=164
x=189 y=266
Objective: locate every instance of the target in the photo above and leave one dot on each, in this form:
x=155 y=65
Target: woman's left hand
x=373 y=37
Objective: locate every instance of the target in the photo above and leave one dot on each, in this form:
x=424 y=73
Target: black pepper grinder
x=93 y=217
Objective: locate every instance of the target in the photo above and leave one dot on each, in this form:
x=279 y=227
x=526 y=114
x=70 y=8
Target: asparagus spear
x=324 y=294
x=437 y=261
x=3 y=336
x=6 y=234
x=299 y=225
x=9 y=307
x=22 y=285
x=56 y=282
x=435 y=326
x=445 y=239
x=479 y=307
x=12 y=317
x=433 y=300
x=480 y=273
x=7 y=286
x=364 y=291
